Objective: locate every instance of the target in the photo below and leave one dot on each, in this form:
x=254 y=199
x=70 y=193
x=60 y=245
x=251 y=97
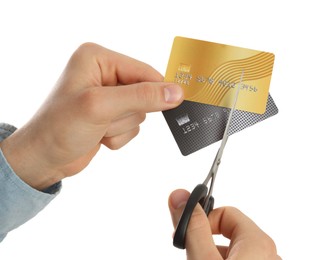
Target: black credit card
x=196 y=125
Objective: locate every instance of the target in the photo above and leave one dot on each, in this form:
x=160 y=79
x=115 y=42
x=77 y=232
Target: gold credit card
x=210 y=73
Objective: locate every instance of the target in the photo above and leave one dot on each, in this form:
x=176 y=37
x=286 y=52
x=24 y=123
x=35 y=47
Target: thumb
x=142 y=97
x=199 y=241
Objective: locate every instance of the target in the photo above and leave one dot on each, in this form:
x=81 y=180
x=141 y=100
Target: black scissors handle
x=198 y=195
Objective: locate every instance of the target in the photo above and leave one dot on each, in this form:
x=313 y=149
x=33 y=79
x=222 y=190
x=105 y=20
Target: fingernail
x=179 y=199
x=172 y=93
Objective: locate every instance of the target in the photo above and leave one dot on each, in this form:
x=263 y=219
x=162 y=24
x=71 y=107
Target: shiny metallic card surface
x=209 y=73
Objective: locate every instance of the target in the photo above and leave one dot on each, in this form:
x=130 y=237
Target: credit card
x=210 y=73
x=195 y=125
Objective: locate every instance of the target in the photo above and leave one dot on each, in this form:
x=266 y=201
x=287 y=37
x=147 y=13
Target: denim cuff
x=18 y=201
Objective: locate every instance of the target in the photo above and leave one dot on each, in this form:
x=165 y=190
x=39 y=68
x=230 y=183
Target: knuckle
x=231 y=210
x=116 y=142
x=86 y=50
x=112 y=144
x=87 y=47
x=269 y=245
x=89 y=104
x=146 y=95
x=141 y=117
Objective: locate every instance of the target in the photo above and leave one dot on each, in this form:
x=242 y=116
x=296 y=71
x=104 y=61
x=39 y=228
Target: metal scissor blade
x=226 y=131
x=217 y=160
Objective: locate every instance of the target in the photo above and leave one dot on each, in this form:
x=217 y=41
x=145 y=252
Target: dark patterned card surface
x=196 y=125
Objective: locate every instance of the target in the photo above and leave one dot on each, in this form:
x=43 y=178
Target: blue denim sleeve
x=18 y=201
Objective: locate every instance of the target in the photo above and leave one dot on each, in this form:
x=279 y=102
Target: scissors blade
x=226 y=131
x=217 y=160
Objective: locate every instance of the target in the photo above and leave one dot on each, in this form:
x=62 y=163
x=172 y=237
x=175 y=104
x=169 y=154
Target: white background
x=117 y=207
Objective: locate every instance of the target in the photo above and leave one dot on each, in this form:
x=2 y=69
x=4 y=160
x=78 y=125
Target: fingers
x=124 y=124
x=116 y=142
x=127 y=70
x=177 y=201
x=103 y=104
x=108 y=85
x=142 y=97
x=199 y=241
x=108 y=68
x=122 y=130
x=248 y=241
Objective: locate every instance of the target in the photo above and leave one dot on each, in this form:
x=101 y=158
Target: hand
x=247 y=240
x=100 y=98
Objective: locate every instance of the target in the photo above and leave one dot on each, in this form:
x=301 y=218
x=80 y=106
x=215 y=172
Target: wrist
x=25 y=158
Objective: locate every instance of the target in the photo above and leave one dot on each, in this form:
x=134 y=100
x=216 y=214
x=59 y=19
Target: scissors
x=200 y=194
